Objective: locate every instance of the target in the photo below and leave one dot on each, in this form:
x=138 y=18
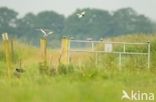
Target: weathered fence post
x=43 y=49
x=148 y=55
x=8 y=49
x=65 y=46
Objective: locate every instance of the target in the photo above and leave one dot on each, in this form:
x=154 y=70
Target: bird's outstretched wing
x=83 y=13
x=80 y=15
x=50 y=33
x=44 y=32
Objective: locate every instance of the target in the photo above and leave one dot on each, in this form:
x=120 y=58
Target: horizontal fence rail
x=108 y=48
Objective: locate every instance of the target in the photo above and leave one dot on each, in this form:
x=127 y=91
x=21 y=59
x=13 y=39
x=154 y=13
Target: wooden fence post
x=43 y=48
x=65 y=45
x=43 y=64
x=8 y=49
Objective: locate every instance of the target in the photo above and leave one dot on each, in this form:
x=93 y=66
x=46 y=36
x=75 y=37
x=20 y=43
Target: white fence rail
x=108 y=48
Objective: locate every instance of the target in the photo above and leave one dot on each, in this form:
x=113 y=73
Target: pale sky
x=67 y=7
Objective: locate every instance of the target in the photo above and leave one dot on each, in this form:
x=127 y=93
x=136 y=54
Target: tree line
x=95 y=24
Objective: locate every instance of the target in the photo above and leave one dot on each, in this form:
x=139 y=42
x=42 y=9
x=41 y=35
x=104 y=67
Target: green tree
x=143 y=24
x=8 y=19
x=29 y=25
x=127 y=21
x=26 y=26
x=50 y=20
x=94 y=24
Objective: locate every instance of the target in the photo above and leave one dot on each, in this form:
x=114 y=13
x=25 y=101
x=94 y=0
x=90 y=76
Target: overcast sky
x=67 y=7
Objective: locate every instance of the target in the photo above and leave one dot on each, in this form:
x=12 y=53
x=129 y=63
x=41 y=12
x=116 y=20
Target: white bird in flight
x=82 y=14
x=46 y=33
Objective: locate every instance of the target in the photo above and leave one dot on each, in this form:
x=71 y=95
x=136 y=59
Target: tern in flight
x=46 y=33
x=82 y=14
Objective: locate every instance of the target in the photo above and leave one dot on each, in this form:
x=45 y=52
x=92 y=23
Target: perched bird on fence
x=82 y=14
x=46 y=33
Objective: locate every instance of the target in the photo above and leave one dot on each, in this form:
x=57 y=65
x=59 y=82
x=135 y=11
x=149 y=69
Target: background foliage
x=96 y=24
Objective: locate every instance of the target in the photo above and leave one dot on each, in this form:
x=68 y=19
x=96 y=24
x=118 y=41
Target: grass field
x=86 y=83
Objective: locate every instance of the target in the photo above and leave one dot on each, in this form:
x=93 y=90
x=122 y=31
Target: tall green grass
x=88 y=82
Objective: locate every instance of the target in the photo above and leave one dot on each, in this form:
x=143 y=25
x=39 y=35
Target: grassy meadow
x=82 y=80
